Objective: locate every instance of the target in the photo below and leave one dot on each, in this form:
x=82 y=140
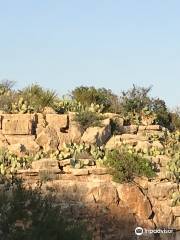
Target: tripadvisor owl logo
x=139 y=231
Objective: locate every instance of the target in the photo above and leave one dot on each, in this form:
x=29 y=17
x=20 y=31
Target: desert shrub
x=37 y=97
x=175 y=118
x=124 y=166
x=88 y=119
x=27 y=214
x=10 y=163
x=98 y=96
x=136 y=102
x=7 y=95
x=173 y=168
x=163 y=118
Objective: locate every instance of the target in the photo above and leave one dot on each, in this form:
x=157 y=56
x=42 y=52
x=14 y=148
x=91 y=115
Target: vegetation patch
x=124 y=166
x=89 y=119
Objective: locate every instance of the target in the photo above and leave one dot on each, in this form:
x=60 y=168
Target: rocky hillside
x=71 y=160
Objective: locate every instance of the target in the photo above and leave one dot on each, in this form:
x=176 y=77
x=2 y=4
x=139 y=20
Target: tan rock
x=157 y=145
x=48 y=139
x=142 y=182
x=163 y=216
x=136 y=201
x=143 y=146
x=163 y=160
x=17 y=149
x=133 y=137
x=114 y=142
x=176 y=225
x=49 y=110
x=28 y=141
x=98 y=171
x=57 y=121
x=131 y=129
x=18 y=124
x=150 y=127
x=161 y=190
x=45 y=163
x=65 y=162
x=176 y=211
x=75 y=132
x=3 y=141
x=97 y=135
x=80 y=172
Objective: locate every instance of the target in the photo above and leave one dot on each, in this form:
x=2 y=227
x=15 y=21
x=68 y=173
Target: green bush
x=37 y=97
x=27 y=214
x=136 y=102
x=7 y=95
x=99 y=96
x=124 y=166
x=88 y=119
x=175 y=118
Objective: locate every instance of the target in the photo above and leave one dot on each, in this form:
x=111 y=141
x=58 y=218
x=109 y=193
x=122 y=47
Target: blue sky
x=61 y=44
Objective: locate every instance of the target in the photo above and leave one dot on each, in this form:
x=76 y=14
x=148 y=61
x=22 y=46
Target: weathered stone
x=57 y=121
x=147 y=120
x=48 y=139
x=150 y=127
x=18 y=124
x=163 y=160
x=176 y=211
x=142 y=182
x=131 y=129
x=49 y=110
x=158 y=145
x=45 y=163
x=65 y=162
x=27 y=140
x=102 y=193
x=161 y=190
x=136 y=201
x=80 y=172
x=114 y=142
x=17 y=149
x=3 y=141
x=143 y=146
x=75 y=132
x=176 y=225
x=97 y=135
x=163 y=216
x=98 y=171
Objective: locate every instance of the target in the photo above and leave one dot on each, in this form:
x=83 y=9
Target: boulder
x=135 y=200
x=176 y=211
x=17 y=149
x=48 y=139
x=157 y=145
x=28 y=141
x=80 y=172
x=45 y=164
x=143 y=146
x=3 y=141
x=18 y=124
x=49 y=110
x=57 y=121
x=97 y=135
x=150 y=127
x=161 y=190
x=114 y=142
x=163 y=216
x=131 y=129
